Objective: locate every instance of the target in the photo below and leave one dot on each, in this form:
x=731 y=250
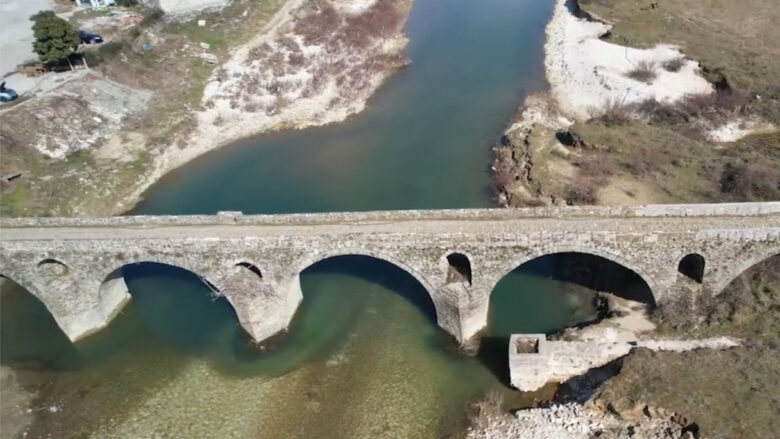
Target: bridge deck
x=234 y=225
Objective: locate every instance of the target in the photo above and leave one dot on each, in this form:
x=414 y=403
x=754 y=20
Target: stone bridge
x=74 y=265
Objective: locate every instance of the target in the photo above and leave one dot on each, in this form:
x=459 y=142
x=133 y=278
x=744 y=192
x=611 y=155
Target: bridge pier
x=460 y=310
x=79 y=305
x=263 y=308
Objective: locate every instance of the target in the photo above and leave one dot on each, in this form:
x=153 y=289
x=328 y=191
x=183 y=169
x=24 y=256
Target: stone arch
x=30 y=328
x=295 y=287
x=53 y=267
x=718 y=286
x=32 y=289
x=114 y=293
x=605 y=254
x=116 y=270
x=29 y=288
x=692 y=266
x=458 y=268
x=250 y=267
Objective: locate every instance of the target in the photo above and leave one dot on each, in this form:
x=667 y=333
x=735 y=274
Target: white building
x=96 y=3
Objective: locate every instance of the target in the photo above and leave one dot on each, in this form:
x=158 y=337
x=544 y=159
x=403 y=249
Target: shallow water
x=363 y=357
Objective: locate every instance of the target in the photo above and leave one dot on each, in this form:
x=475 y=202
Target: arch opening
x=353 y=299
x=692 y=267
x=459 y=268
x=30 y=337
x=380 y=272
x=549 y=293
x=174 y=304
x=53 y=267
x=251 y=267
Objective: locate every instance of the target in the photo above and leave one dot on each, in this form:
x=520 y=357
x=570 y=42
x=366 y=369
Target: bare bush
x=615 y=113
x=674 y=65
x=748 y=182
x=296 y=60
x=644 y=161
x=379 y=20
x=503 y=172
x=581 y=190
x=644 y=71
x=596 y=168
x=260 y=52
x=729 y=99
x=289 y=43
x=320 y=25
x=487 y=410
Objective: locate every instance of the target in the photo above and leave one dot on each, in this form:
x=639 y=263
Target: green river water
x=363 y=357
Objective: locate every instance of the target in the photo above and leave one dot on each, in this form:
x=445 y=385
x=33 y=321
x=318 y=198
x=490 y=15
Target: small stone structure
x=535 y=361
x=74 y=265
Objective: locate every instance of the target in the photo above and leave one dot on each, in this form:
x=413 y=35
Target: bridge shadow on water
x=549 y=294
x=174 y=312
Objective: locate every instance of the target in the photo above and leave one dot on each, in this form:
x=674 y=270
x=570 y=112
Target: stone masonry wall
x=73 y=265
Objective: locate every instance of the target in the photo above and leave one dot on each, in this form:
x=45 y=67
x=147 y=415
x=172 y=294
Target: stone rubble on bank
x=574 y=421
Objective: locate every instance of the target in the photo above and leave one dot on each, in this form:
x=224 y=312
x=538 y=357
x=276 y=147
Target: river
x=363 y=357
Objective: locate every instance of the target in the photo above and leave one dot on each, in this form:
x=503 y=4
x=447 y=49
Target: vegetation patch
x=730 y=393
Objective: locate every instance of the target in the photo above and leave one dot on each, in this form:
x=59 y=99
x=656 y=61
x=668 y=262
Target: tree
x=55 y=38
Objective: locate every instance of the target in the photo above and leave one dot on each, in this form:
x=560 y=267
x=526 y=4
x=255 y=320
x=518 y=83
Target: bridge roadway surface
x=234 y=225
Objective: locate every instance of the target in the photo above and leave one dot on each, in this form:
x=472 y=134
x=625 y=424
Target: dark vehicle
x=89 y=37
x=7 y=94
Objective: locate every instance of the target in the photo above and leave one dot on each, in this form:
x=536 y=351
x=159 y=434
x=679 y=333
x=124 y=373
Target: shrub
x=487 y=410
x=503 y=175
x=596 y=168
x=674 y=65
x=645 y=160
x=615 y=113
x=643 y=72
x=581 y=190
x=748 y=182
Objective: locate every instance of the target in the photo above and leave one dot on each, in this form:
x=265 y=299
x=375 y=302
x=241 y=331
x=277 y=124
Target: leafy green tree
x=55 y=38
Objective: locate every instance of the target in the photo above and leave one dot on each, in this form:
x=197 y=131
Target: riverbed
x=364 y=356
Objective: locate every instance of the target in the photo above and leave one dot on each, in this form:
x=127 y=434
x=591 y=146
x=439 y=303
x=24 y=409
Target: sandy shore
x=586 y=73
x=281 y=79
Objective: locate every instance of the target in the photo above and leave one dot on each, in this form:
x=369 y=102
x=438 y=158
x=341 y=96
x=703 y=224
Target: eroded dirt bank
x=634 y=120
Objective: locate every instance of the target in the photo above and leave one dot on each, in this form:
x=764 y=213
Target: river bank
x=603 y=134
x=310 y=63
x=313 y=64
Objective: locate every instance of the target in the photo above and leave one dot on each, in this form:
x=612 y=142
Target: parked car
x=89 y=37
x=7 y=94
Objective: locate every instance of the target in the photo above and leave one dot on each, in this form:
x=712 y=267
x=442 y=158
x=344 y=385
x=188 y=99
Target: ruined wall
x=71 y=264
